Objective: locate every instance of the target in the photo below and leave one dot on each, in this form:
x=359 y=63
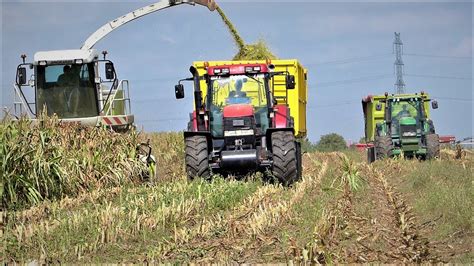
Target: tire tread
x=196 y=157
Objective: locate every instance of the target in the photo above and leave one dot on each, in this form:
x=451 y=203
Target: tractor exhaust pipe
x=197 y=88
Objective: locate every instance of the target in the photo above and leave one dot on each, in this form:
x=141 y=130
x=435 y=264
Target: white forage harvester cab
x=70 y=84
x=78 y=85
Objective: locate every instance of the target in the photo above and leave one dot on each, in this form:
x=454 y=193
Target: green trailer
x=399 y=124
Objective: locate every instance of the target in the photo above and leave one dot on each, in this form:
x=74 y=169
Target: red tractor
x=237 y=125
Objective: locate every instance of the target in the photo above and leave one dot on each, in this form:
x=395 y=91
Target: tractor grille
x=408 y=130
x=239 y=133
x=238 y=123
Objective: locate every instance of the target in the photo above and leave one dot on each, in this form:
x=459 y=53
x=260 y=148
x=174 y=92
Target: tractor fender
x=207 y=134
x=282 y=117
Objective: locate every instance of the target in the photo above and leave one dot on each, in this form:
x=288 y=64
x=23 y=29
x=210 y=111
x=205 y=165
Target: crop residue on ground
x=343 y=211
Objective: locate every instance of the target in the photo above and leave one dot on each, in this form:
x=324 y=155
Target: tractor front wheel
x=432 y=146
x=196 y=158
x=383 y=147
x=285 y=157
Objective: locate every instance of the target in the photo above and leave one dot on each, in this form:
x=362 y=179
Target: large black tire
x=196 y=157
x=285 y=161
x=383 y=147
x=432 y=146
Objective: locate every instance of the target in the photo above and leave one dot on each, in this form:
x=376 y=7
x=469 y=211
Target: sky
x=346 y=47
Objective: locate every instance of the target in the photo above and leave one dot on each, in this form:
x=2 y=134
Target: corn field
x=69 y=199
x=48 y=160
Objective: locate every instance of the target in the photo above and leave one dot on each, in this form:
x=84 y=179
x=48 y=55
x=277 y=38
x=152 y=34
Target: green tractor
x=399 y=124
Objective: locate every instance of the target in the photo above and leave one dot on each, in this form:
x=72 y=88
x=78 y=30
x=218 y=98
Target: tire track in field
x=203 y=231
x=269 y=245
x=329 y=228
x=390 y=232
x=247 y=236
x=231 y=237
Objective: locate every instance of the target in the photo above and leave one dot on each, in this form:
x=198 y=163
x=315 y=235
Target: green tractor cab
x=399 y=124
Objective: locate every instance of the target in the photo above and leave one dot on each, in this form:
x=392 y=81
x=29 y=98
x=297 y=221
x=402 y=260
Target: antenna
x=398 y=49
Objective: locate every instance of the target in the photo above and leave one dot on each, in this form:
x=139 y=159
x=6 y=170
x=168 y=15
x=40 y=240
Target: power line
x=333 y=105
x=438 y=77
x=453 y=99
x=439 y=56
x=347 y=81
x=161 y=120
x=339 y=82
x=155 y=79
x=151 y=100
x=349 y=60
x=376 y=77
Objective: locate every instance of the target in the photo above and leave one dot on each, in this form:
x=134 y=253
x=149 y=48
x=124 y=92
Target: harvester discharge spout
x=143 y=11
x=211 y=4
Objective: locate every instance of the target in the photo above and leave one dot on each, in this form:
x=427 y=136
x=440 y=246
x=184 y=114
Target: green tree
x=307 y=145
x=331 y=142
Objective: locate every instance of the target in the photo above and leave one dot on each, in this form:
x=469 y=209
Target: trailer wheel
x=196 y=158
x=383 y=147
x=371 y=154
x=285 y=161
x=432 y=146
x=300 y=160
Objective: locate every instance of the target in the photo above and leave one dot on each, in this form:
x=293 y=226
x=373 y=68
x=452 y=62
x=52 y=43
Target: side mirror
x=21 y=76
x=378 y=107
x=434 y=104
x=290 y=82
x=109 y=71
x=179 y=91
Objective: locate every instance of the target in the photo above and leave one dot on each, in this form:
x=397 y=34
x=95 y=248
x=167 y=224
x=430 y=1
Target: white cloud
x=464 y=48
x=168 y=39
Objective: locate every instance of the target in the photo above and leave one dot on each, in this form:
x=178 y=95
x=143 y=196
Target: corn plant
x=350 y=177
x=49 y=159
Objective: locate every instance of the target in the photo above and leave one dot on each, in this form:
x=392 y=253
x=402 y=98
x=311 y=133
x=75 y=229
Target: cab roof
x=237 y=69
x=372 y=98
x=65 y=56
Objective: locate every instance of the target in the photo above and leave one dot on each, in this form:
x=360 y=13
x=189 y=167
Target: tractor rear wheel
x=432 y=146
x=285 y=161
x=383 y=147
x=196 y=158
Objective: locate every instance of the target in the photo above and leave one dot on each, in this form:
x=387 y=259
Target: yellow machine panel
x=295 y=99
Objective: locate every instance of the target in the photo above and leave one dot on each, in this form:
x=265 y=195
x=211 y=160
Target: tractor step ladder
x=117 y=100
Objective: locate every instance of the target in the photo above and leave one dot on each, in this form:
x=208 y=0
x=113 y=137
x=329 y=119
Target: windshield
x=404 y=108
x=238 y=89
x=67 y=90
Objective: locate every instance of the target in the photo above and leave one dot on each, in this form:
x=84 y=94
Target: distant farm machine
x=67 y=82
x=247 y=117
x=400 y=124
